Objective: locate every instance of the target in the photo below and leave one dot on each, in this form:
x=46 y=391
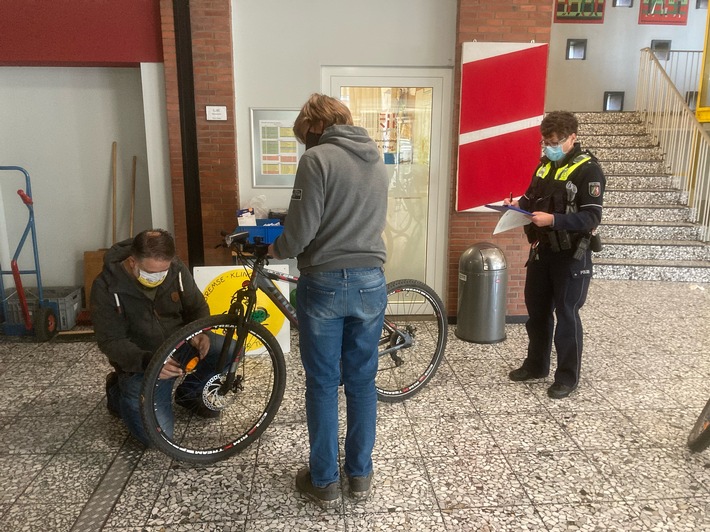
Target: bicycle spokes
x=219 y=409
x=413 y=340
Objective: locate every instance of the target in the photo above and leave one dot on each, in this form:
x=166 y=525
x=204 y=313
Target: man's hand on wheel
x=170 y=370
x=201 y=342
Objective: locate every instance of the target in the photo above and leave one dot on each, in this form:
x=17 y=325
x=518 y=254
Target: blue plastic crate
x=267 y=233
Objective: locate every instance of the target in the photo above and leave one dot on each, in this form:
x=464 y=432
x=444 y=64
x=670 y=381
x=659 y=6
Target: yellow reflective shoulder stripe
x=563 y=172
x=566 y=170
x=542 y=171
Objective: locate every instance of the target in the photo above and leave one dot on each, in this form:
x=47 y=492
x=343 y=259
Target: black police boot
x=522 y=374
x=560 y=391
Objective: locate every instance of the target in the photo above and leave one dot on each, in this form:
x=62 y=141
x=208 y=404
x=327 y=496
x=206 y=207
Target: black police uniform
x=560 y=266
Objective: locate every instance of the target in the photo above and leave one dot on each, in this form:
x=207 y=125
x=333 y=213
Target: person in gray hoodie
x=334 y=227
x=143 y=294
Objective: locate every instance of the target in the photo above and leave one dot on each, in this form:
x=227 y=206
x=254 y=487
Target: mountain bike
x=699 y=437
x=242 y=397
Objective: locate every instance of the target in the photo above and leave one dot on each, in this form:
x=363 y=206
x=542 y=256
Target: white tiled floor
x=473 y=451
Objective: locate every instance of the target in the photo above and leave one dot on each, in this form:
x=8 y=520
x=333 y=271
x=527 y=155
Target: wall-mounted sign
x=584 y=11
x=216 y=112
x=673 y=12
x=275 y=150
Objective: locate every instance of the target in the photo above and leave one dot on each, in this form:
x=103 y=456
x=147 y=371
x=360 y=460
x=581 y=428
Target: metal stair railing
x=685 y=143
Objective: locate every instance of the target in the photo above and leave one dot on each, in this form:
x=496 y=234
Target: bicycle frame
x=264 y=279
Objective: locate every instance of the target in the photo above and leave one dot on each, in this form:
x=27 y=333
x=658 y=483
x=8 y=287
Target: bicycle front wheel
x=413 y=340
x=195 y=418
x=699 y=437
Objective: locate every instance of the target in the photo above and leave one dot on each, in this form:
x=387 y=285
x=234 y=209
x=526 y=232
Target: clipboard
x=506 y=208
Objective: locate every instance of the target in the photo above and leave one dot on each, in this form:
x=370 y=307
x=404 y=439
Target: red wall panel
x=502 y=104
x=80 y=32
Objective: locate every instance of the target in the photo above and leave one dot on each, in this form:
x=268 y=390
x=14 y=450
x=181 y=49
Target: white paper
x=246 y=220
x=510 y=220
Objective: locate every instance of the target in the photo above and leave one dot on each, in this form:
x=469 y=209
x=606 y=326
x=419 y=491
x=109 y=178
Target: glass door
x=403 y=111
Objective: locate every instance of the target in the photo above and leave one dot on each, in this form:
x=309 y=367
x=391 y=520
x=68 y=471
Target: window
x=613 y=101
x=626 y=3
x=691 y=98
x=701 y=4
x=662 y=49
x=576 y=49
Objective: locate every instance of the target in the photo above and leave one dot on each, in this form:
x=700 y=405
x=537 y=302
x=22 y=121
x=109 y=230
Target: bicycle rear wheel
x=413 y=340
x=699 y=437
x=213 y=425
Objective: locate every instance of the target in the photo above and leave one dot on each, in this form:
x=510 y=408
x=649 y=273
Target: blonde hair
x=321 y=109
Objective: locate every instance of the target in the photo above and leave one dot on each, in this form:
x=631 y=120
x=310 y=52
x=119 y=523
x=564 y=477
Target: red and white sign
x=502 y=105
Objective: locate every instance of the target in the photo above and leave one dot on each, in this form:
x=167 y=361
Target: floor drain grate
x=97 y=509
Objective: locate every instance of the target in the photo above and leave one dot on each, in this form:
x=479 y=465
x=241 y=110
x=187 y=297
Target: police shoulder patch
x=595 y=189
x=297 y=194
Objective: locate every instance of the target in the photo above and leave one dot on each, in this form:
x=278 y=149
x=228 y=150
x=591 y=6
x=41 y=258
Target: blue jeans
x=125 y=396
x=340 y=317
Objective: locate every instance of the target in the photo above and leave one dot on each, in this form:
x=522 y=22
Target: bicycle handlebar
x=240 y=243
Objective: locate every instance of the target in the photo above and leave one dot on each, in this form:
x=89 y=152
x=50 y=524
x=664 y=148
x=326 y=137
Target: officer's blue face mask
x=553 y=150
x=554 y=153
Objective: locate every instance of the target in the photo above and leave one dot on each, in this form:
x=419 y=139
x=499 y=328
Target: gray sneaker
x=326 y=497
x=360 y=487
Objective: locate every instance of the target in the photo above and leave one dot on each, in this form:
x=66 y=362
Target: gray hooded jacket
x=338 y=206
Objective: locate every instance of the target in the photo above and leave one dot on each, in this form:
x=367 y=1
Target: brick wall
x=216 y=140
x=492 y=21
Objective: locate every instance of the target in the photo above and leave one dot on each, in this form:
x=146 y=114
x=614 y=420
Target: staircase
x=645 y=227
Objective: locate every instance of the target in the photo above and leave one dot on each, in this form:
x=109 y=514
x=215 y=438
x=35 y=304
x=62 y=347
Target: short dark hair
x=321 y=108
x=153 y=244
x=562 y=123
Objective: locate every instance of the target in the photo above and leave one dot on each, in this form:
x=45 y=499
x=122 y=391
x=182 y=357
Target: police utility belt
x=562 y=241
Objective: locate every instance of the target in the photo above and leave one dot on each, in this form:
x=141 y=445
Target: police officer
x=565 y=198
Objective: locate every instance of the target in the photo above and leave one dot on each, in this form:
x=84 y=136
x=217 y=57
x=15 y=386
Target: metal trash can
x=483 y=285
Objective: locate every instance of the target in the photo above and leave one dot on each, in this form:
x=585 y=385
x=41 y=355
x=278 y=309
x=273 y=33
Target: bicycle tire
x=415 y=308
x=243 y=413
x=699 y=437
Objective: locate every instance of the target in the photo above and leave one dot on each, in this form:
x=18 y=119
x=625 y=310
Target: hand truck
x=43 y=324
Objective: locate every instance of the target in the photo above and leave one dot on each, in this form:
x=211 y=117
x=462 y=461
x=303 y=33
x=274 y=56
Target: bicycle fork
x=228 y=384
x=242 y=306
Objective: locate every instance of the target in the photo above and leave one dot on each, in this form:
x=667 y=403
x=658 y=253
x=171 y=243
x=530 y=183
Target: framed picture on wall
x=275 y=150
x=663 y=12
x=580 y=11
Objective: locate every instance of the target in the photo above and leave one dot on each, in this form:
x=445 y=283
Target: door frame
x=441 y=80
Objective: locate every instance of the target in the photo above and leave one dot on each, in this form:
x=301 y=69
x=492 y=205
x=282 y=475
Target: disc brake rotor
x=211 y=396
